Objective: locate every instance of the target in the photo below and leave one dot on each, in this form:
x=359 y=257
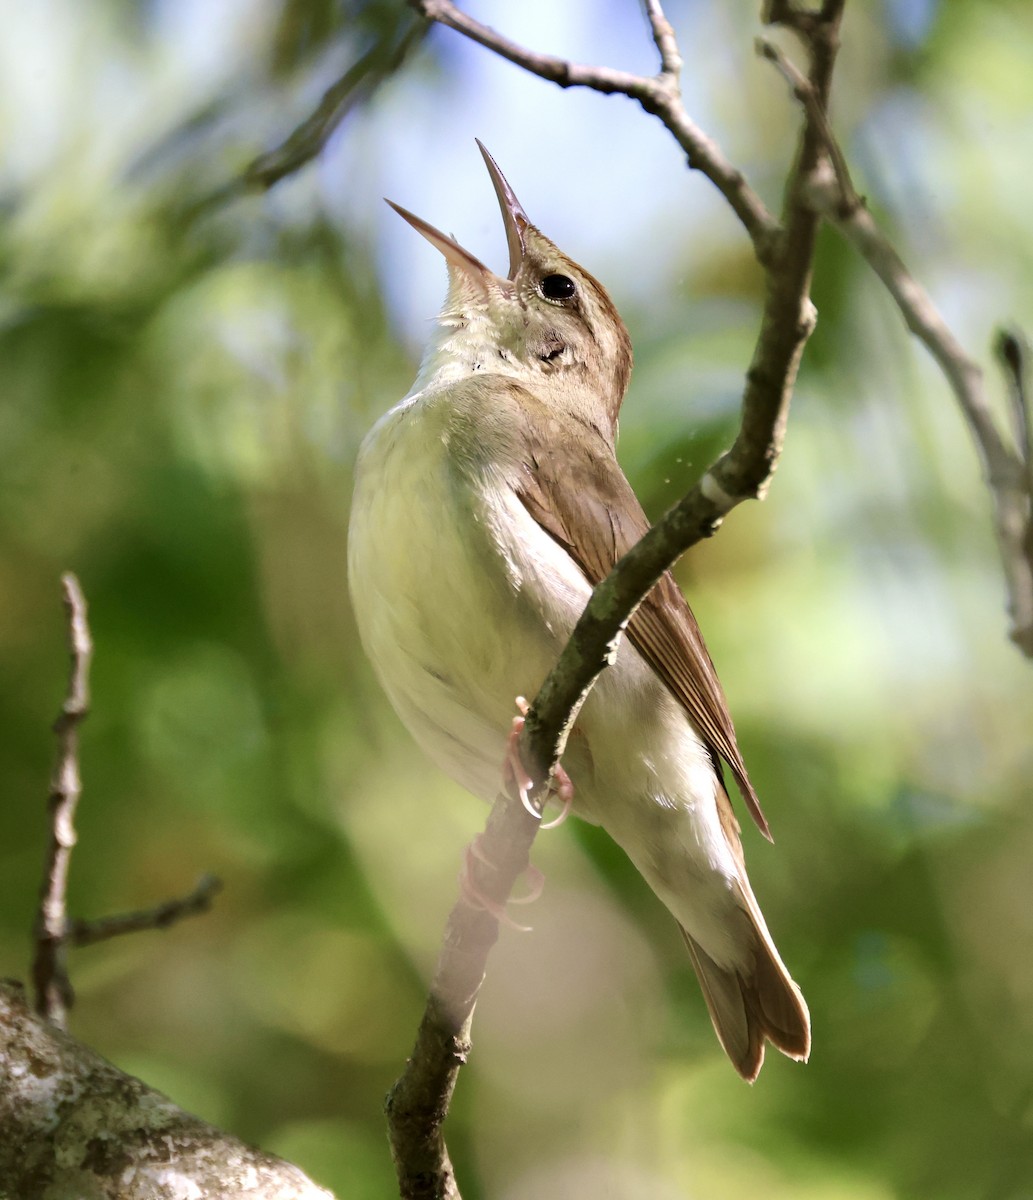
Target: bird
x=487 y=504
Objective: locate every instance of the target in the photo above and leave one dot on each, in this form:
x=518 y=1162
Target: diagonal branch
x=418 y=1103
x=306 y=140
x=76 y=1126
x=1007 y=465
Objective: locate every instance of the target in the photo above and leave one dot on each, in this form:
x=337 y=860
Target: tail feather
x=753 y=1006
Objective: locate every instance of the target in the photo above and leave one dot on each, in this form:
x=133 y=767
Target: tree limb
x=71 y=1124
x=418 y=1103
x=1007 y=465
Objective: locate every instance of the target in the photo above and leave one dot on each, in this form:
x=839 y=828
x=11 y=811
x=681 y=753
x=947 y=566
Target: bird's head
x=548 y=321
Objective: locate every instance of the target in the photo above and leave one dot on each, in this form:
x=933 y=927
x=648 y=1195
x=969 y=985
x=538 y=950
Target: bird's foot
x=476 y=898
x=563 y=790
x=514 y=769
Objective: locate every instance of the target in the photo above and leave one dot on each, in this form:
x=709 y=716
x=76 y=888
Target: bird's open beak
x=455 y=255
x=513 y=216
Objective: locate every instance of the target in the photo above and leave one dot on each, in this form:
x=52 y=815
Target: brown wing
x=577 y=493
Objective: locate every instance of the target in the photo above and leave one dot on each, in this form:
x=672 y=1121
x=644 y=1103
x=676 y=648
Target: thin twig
x=354 y=86
x=664 y=37
x=307 y=140
x=418 y=1103
x=787 y=321
x=1013 y=351
x=547 y=66
x=161 y=916
x=53 y=989
x=803 y=92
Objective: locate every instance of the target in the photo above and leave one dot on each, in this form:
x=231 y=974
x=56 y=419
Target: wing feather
x=578 y=494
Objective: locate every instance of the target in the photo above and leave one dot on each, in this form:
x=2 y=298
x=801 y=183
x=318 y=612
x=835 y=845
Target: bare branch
x=663 y=36
x=547 y=66
x=1013 y=351
x=803 y=92
x=49 y=973
x=1007 y=473
x=788 y=319
x=161 y=916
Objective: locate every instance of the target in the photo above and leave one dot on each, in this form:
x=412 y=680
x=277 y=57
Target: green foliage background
x=182 y=393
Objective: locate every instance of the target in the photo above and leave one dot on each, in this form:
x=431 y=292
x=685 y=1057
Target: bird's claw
x=563 y=790
x=515 y=771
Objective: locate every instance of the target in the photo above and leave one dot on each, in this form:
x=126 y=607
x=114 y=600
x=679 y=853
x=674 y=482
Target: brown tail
x=751 y=1007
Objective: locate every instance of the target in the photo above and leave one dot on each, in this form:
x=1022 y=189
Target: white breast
x=438 y=567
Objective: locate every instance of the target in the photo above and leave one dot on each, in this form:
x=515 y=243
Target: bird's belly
x=452 y=618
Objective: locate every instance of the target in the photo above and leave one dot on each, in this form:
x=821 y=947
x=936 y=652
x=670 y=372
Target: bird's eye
x=557 y=287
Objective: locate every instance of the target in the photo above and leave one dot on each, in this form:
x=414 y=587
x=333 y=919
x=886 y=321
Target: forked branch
x=53 y=932
x=1007 y=461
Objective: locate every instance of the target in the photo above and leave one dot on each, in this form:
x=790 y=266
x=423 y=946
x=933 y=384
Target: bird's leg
x=514 y=769
x=563 y=790
x=476 y=898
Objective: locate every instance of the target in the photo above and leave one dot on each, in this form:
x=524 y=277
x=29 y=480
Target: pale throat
x=466 y=344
